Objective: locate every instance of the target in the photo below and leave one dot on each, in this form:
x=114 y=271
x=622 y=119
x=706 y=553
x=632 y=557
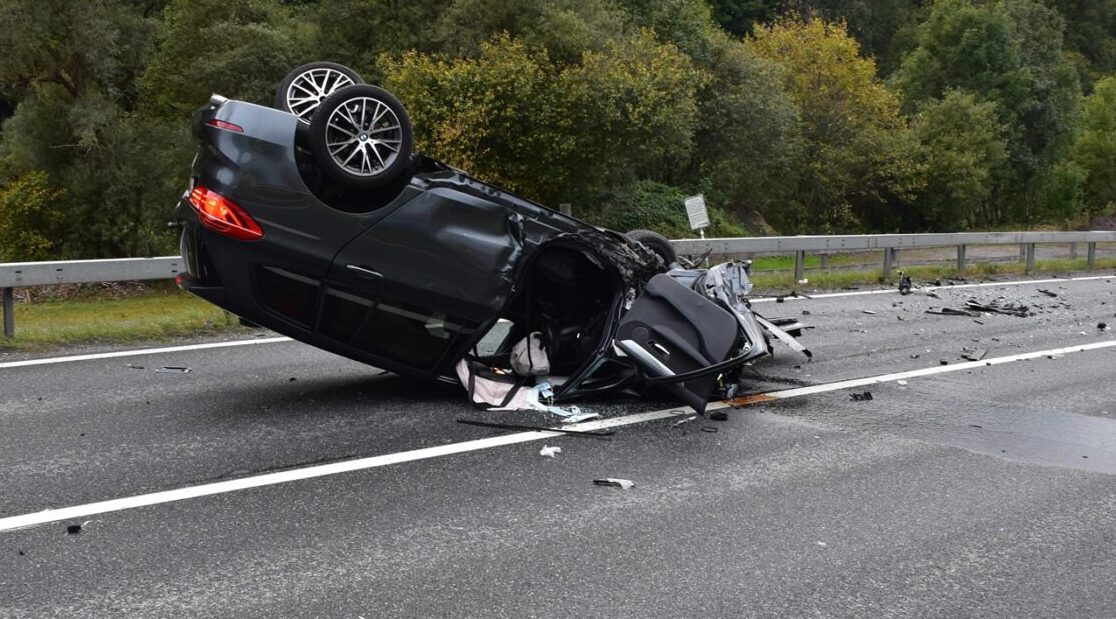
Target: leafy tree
x=1008 y=53
x=1061 y=192
x=29 y=220
x=856 y=156
x=1090 y=35
x=1095 y=148
x=963 y=157
x=357 y=32
x=238 y=48
x=645 y=204
x=565 y=28
x=511 y=115
x=747 y=136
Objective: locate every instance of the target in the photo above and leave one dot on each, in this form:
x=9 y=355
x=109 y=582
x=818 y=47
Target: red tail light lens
x=224 y=124
x=221 y=215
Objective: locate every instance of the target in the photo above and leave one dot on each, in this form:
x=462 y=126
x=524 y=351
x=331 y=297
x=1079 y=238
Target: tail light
x=224 y=124
x=220 y=214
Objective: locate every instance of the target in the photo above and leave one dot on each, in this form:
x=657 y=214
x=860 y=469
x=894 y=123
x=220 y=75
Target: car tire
x=303 y=89
x=361 y=136
x=656 y=242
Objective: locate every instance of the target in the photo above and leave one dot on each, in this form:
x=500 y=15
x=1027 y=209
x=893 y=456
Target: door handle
x=363 y=270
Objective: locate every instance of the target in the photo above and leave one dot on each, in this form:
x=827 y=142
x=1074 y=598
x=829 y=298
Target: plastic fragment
x=901 y=382
x=626 y=484
x=862 y=397
x=550 y=452
x=710 y=429
x=682 y=421
x=173 y=369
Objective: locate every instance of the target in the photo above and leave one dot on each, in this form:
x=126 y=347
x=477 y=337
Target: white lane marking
x=270 y=479
x=858 y=293
x=140 y=351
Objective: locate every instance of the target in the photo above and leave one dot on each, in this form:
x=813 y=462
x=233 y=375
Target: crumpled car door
x=671 y=331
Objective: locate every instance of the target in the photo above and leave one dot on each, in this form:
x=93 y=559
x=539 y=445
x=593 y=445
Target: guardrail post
x=1022 y=252
x=890 y=255
x=960 y=258
x=799 y=265
x=1073 y=251
x=824 y=261
x=9 y=313
x=1030 y=250
x=1092 y=256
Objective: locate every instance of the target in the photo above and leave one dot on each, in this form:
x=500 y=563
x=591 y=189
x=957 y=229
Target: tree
x=553 y=133
x=963 y=157
x=1095 y=148
x=237 y=48
x=856 y=156
x=1009 y=53
x=29 y=221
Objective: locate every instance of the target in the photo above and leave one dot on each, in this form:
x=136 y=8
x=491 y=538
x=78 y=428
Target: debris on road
x=1103 y=326
x=73 y=529
x=973 y=354
x=862 y=397
x=134 y=367
x=550 y=452
x=173 y=369
x=710 y=429
x=604 y=434
x=1048 y=293
x=871 y=312
x=999 y=307
x=719 y=416
x=682 y=421
x=904 y=283
x=952 y=311
x=626 y=484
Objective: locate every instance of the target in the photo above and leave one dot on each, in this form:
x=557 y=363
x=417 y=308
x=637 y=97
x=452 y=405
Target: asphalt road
x=973 y=490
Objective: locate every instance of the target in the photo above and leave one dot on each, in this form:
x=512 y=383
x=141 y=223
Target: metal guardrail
x=890 y=244
x=25 y=274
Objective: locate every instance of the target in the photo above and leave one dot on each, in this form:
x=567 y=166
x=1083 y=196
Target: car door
x=671 y=331
x=425 y=278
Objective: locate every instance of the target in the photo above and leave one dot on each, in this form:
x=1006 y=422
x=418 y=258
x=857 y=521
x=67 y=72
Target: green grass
x=150 y=315
x=840 y=279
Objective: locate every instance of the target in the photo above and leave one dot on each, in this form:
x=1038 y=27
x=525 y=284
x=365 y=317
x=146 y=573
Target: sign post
x=697 y=213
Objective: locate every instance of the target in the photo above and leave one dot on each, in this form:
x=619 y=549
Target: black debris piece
x=709 y=429
x=931 y=293
x=862 y=397
x=952 y=311
x=134 y=367
x=870 y=312
x=977 y=321
x=915 y=356
x=21 y=553
x=850 y=288
x=973 y=425
x=779 y=299
x=1048 y=293
x=999 y=307
x=935 y=282
x=904 y=283
x=173 y=369
x=291 y=379
x=73 y=529
x=605 y=434
x=617 y=483
x=805 y=312
x=943 y=362
x=1102 y=325
x=974 y=355
x=719 y=416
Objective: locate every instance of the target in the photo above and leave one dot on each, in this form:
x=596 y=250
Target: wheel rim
x=363 y=136
x=310 y=87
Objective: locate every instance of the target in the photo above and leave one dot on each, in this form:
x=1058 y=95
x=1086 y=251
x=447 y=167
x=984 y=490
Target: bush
x=649 y=205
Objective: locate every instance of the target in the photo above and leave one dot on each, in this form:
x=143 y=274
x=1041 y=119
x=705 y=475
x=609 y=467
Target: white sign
x=696 y=212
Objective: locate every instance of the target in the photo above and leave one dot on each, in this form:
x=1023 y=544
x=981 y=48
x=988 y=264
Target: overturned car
x=316 y=218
